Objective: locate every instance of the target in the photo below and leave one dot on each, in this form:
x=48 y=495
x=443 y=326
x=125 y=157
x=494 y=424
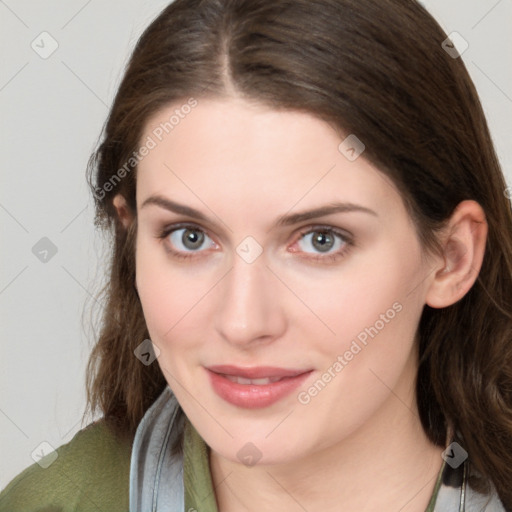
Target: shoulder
x=91 y=472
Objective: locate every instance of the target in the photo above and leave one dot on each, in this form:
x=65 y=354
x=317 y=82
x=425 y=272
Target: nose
x=249 y=310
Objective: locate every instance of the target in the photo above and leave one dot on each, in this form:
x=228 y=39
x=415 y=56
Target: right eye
x=183 y=241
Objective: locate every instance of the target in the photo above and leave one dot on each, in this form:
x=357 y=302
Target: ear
x=124 y=214
x=463 y=243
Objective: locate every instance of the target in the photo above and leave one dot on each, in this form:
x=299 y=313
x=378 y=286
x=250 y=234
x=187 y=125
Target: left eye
x=190 y=239
x=322 y=240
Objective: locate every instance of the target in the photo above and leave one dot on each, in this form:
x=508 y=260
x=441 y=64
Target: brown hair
x=375 y=69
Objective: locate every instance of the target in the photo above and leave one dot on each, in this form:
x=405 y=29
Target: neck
x=387 y=464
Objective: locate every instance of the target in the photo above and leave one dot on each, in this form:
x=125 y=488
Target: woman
x=309 y=304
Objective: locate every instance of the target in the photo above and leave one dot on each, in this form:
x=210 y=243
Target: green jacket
x=92 y=474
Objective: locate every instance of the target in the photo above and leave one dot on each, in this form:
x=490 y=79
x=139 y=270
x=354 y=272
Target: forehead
x=228 y=151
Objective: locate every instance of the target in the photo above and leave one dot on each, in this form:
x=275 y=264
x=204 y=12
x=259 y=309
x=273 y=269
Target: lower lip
x=252 y=396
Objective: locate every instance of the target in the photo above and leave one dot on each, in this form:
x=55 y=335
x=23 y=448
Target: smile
x=254 y=388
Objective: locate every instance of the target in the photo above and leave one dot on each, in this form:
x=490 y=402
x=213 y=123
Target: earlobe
x=463 y=252
x=123 y=212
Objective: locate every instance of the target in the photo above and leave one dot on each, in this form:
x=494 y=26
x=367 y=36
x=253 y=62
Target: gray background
x=52 y=112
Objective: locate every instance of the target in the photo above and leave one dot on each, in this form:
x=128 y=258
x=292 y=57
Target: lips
x=256 y=387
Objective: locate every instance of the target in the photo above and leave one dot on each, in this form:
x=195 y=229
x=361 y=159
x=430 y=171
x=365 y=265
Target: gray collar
x=156 y=477
x=455 y=494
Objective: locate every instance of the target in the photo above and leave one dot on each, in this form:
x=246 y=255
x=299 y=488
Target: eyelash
x=331 y=258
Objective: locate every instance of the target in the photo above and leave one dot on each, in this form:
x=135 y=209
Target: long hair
x=375 y=69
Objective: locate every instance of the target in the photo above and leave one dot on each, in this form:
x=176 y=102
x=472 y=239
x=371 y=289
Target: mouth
x=255 y=387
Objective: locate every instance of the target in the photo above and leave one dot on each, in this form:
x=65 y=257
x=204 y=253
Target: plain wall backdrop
x=61 y=65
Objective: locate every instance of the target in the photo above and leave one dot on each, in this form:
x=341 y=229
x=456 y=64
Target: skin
x=359 y=440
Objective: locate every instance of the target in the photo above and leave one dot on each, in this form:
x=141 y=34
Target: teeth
x=255 y=382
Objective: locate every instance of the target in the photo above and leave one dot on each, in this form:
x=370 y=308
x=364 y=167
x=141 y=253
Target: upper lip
x=255 y=372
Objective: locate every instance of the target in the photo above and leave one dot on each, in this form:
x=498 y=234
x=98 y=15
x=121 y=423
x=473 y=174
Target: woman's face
x=281 y=332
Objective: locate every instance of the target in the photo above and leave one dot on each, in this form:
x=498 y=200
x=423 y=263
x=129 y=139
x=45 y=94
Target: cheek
x=170 y=295
x=363 y=294
x=373 y=316
x=159 y=296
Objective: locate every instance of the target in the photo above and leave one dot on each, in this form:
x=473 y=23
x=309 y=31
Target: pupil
x=192 y=239
x=323 y=241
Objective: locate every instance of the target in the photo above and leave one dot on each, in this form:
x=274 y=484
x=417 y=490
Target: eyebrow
x=284 y=220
